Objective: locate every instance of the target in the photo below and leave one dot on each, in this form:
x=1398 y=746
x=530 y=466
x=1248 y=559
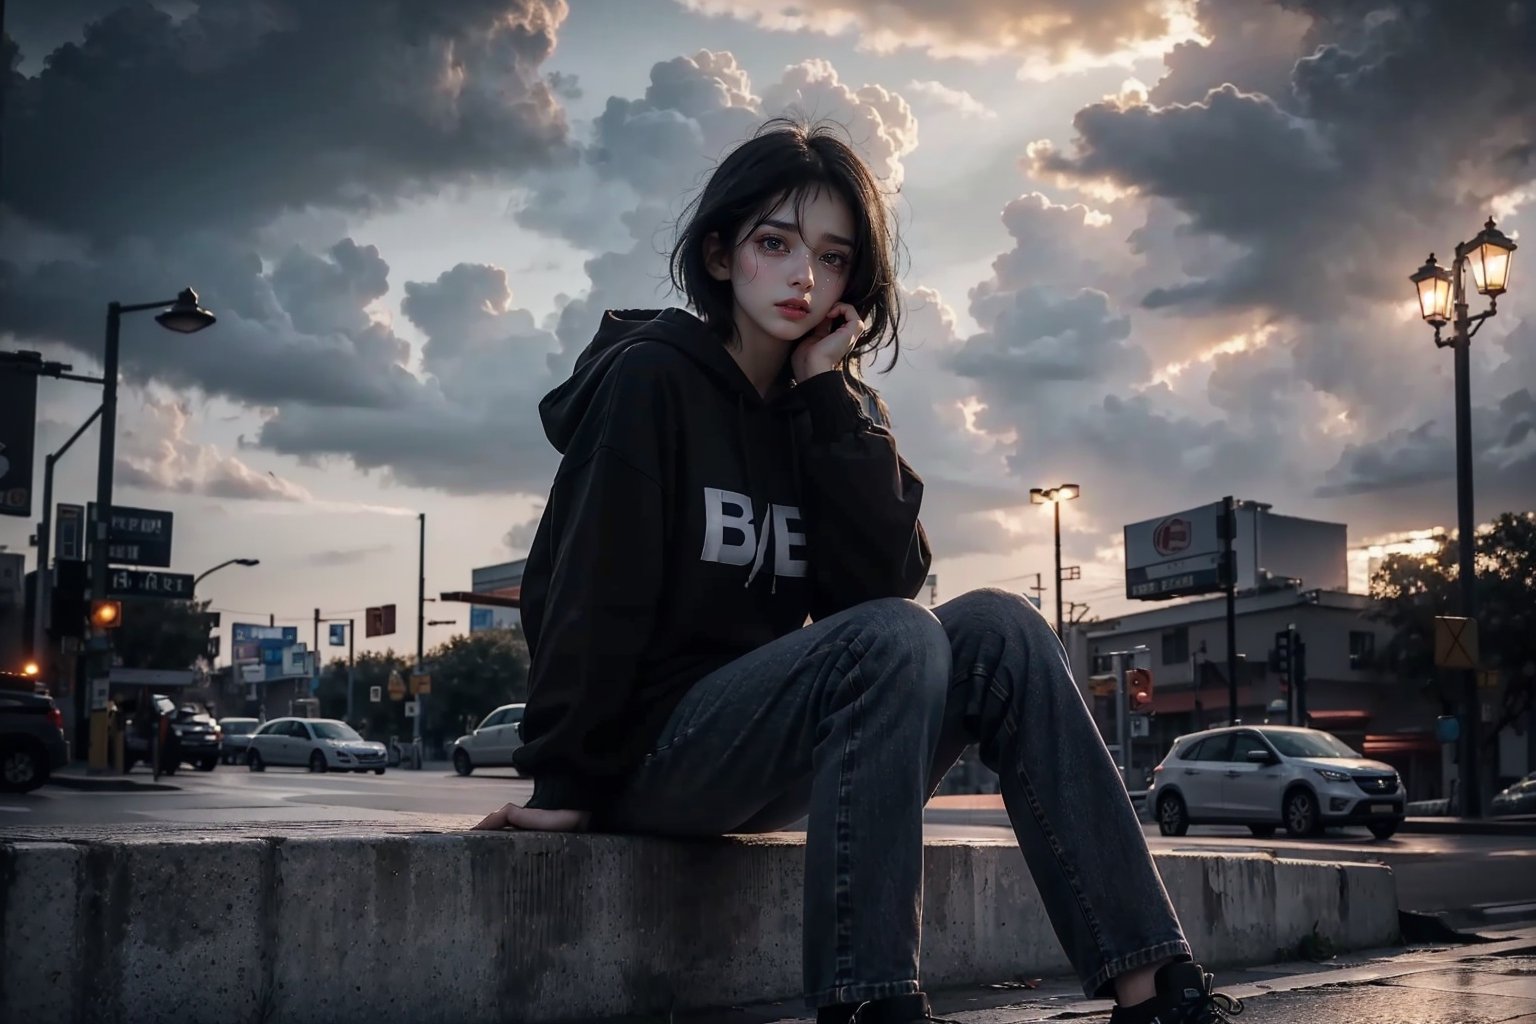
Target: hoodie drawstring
x=746 y=456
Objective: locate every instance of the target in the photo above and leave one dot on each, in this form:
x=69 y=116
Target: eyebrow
x=784 y=225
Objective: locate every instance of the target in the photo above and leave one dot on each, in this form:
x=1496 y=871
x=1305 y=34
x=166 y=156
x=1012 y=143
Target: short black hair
x=790 y=159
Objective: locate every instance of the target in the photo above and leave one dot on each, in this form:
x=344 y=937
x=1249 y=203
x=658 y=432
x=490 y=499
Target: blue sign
x=1448 y=729
x=338 y=634
x=481 y=618
x=246 y=632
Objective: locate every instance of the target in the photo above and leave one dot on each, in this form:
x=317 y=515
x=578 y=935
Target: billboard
x=1176 y=556
x=18 y=432
x=503 y=580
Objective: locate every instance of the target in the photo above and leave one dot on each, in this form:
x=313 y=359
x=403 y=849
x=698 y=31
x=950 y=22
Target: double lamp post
x=1443 y=302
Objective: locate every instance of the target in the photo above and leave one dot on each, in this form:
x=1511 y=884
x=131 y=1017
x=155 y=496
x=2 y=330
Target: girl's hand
x=823 y=348
x=533 y=819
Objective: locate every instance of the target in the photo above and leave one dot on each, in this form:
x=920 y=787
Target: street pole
x=351 y=663
x=44 y=599
x=1466 y=529
x=421 y=619
x=1057 y=510
x=101 y=660
x=1229 y=517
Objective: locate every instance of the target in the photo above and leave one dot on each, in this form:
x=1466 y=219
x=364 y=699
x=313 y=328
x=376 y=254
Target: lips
x=795 y=304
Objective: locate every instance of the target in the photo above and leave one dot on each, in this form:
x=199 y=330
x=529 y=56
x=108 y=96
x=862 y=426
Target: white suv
x=1264 y=776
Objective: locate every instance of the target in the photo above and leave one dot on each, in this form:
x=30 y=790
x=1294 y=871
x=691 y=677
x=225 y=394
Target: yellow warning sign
x=1455 y=642
x=396 y=685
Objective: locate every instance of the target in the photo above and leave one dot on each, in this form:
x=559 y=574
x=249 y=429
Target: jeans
x=852 y=722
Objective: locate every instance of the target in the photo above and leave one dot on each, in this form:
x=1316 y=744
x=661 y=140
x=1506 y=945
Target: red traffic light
x=106 y=614
x=1138 y=689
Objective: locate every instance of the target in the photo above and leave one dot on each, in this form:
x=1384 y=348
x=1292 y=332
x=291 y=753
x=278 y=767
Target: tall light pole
x=1055 y=496
x=1443 y=300
x=184 y=316
x=233 y=561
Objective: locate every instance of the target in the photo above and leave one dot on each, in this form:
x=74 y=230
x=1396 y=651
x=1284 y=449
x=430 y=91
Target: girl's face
x=786 y=276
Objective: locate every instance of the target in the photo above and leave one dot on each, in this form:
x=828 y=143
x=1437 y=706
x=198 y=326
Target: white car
x=1264 y=776
x=319 y=744
x=492 y=742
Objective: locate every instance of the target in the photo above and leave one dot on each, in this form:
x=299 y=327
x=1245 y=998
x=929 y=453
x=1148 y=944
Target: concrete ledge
x=539 y=927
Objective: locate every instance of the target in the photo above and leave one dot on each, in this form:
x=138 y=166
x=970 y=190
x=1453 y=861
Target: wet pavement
x=1481 y=983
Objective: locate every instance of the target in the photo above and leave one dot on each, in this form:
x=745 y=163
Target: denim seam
x=1112 y=969
x=861 y=993
x=843 y=886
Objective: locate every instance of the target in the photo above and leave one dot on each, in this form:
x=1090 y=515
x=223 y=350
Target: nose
x=801 y=275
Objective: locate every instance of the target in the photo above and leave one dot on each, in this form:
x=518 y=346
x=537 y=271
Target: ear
x=717 y=258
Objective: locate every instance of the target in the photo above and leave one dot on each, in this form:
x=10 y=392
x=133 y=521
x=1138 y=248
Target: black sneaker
x=1184 y=996
x=908 y=1009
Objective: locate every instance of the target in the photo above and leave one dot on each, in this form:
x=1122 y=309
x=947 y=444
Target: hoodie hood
x=563 y=408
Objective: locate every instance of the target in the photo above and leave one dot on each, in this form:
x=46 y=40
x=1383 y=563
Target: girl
x=724 y=478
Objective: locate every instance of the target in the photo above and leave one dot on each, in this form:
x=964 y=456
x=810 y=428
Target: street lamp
x=1055 y=496
x=1443 y=300
x=183 y=315
x=233 y=561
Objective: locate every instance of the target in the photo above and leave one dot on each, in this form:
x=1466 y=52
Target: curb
x=1468 y=827
x=109 y=784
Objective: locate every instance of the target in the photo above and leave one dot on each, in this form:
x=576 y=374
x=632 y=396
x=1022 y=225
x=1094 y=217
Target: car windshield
x=334 y=731
x=1309 y=744
x=239 y=728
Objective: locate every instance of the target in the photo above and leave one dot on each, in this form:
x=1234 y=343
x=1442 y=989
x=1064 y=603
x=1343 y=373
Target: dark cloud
x=1253 y=46
x=240 y=110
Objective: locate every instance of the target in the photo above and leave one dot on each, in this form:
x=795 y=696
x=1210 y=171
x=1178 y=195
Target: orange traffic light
x=106 y=614
x=30 y=669
x=1138 y=688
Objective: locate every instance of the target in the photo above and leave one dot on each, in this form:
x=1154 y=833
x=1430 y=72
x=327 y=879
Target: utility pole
x=421 y=619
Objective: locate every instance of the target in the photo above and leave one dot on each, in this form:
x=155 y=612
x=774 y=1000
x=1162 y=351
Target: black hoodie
x=690 y=522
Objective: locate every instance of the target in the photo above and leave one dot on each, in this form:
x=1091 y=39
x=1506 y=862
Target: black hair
x=789 y=159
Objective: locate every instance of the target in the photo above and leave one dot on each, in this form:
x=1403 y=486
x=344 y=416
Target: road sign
x=18 y=434
x=1455 y=642
x=396 y=685
x=338 y=634
x=421 y=683
x=410 y=709
x=142 y=583
x=1488 y=679
x=137 y=536
x=375 y=694
x=379 y=621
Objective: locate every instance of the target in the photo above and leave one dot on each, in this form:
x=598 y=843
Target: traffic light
x=1280 y=657
x=67 y=616
x=106 y=614
x=1138 y=689
x=30 y=670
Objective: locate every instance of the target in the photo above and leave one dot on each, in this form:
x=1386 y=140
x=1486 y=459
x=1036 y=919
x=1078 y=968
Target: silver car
x=1517 y=799
x=319 y=744
x=1264 y=776
x=492 y=742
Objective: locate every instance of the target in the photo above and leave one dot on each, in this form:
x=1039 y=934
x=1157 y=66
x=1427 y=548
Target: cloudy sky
x=1159 y=249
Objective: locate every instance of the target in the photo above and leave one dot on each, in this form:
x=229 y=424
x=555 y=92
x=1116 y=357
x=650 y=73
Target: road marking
x=1505 y=909
x=17 y=810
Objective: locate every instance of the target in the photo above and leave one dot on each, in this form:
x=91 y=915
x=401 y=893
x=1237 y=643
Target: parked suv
x=31 y=740
x=1264 y=776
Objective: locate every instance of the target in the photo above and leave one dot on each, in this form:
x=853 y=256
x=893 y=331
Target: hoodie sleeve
x=606 y=524
x=864 y=539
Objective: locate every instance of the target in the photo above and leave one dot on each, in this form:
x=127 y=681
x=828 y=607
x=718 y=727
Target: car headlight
x=1332 y=775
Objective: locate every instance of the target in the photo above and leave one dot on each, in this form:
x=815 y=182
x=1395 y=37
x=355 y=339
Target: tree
x=471 y=676
x=156 y=633
x=1413 y=589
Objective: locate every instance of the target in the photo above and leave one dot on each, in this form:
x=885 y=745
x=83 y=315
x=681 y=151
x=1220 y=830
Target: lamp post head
x=1489 y=256
x=247 y=561
x=1433 y=283
x=186 y=316
x=1037 y=496
x=1053 y=495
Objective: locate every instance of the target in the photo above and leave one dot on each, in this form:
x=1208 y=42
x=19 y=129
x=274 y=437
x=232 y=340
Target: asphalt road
x=1434 y=872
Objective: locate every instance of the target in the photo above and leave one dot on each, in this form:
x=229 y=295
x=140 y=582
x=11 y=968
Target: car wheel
x=378 y=771
x=1385 y=829
x=461 y=762
x=1301 y=817
x=1172 y=815
x=254 y=762
x=317 y=762
x=207 y=764
x=22 y=768
x=1262 y=831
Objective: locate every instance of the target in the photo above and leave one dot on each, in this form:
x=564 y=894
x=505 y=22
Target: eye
x=772 y=243
x=835 y=260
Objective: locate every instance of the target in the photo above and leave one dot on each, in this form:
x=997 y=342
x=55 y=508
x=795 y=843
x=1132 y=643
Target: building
x=1184 y=646
x=504 y=580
